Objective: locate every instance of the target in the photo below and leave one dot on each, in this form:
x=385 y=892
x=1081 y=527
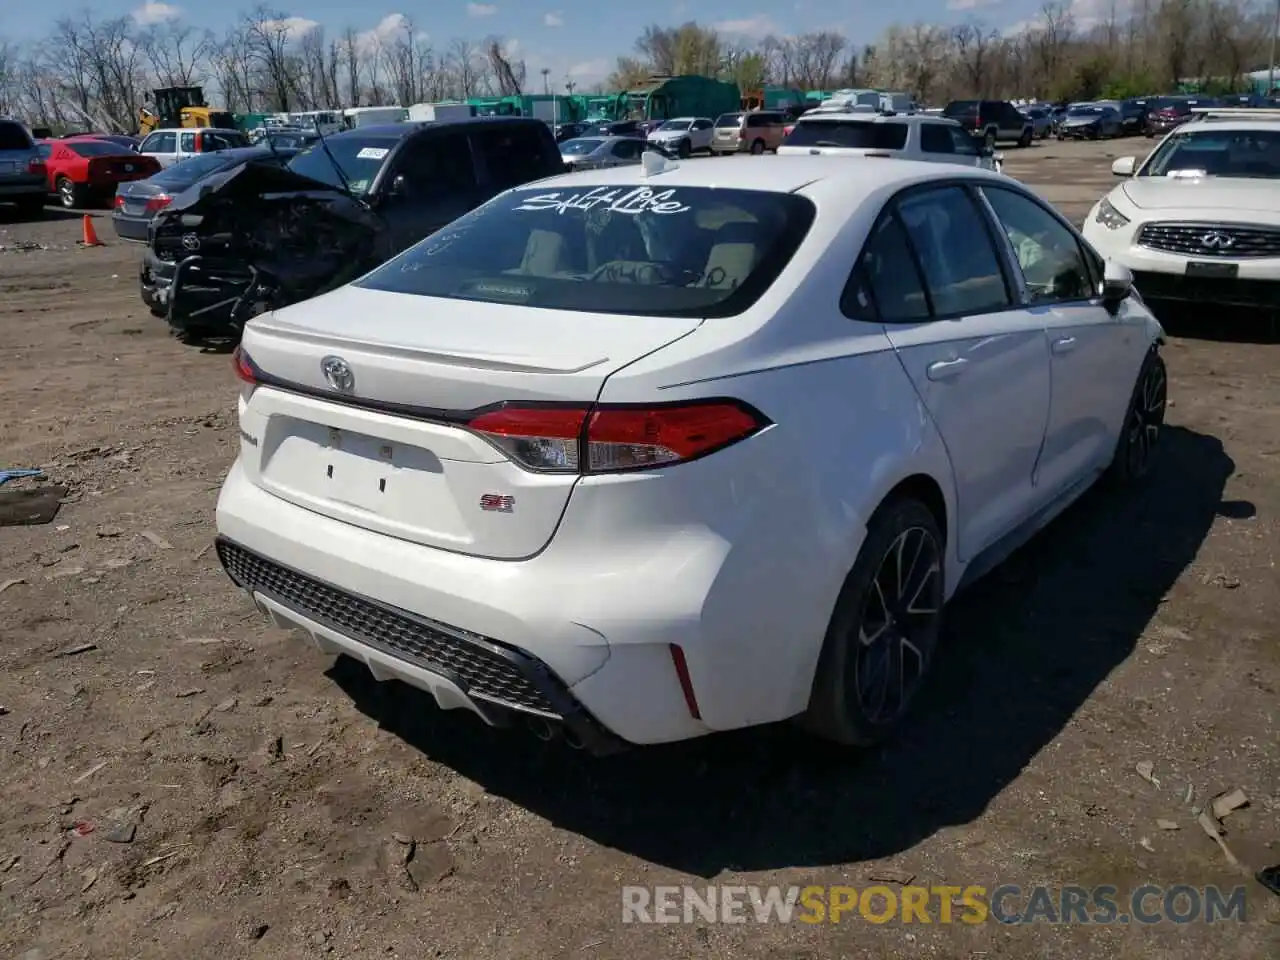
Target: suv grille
x=1229 y=240
x=482 y=668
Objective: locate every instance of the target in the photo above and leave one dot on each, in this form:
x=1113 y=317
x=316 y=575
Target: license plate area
x=1209 y=270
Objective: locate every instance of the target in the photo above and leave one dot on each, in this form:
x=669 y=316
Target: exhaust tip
x=541 y=729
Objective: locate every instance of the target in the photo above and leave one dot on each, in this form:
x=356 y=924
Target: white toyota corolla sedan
x=641 y=454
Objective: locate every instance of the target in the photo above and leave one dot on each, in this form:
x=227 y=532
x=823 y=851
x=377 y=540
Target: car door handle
x=1064 y=345
x=946 y=369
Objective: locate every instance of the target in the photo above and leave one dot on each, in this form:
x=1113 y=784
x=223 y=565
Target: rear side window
x=886 y=285
x=14 y=137
x=515 y=155
x=960 y=108
x=861 y=134
x=682 y=251
x=210 y=141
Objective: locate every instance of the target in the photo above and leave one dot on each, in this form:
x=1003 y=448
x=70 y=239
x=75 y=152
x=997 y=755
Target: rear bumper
x=592 y=646
x=21 y=188
x=498 y=683
x=130 y=228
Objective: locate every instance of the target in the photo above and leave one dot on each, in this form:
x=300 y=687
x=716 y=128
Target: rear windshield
x=360 y=158
x=13 y=137
x=223 y=140
x=187 y=172
x=861 y=134
x=97 y=148
x=729 y=120
x=682 y=251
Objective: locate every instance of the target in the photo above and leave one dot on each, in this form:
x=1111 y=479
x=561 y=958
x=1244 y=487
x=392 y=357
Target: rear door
x=188 y=144
x=17 y=150
x=510 y=155
x=163 y=146
x=979 y=362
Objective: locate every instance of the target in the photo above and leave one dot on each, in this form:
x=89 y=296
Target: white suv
x=644 y=453
x=1199 y=219
x=685 y=135
x=869 y=134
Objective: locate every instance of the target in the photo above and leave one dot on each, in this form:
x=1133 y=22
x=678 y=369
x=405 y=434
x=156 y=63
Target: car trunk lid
x=389 y=451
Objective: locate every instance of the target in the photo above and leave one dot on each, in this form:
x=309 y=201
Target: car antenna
x=346 y=184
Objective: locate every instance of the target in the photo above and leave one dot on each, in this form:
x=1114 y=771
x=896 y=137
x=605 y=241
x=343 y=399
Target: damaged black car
x=258 y=236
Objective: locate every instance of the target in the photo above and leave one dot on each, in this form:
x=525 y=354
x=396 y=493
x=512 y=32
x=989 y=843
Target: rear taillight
x=156 y=204
x=119 y=202
x=37 y=167
x=611 y=438
x=246 y=369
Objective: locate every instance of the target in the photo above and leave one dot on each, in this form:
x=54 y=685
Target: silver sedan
x=596 y=153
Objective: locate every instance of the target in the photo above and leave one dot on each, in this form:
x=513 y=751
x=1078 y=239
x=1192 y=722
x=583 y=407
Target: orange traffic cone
x=90 y=235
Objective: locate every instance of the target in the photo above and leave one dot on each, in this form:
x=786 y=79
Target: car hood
x=1208 y=193
x=668 y=134
x=251 y=179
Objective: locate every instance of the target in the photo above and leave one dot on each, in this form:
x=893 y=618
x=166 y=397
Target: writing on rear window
x=637 y=200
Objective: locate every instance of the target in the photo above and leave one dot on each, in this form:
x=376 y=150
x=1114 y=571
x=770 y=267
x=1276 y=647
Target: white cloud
x=152 y=12
x=755 y=27
x=972 y=4
x=390 y=27
x=589 y=71
x=553 y=19
x=481 y=9
x=293 y=27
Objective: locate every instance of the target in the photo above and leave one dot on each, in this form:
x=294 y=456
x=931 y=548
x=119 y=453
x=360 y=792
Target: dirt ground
x=178 y=779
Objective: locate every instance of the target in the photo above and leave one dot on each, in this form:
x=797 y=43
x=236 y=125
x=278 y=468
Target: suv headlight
x=1109 y=217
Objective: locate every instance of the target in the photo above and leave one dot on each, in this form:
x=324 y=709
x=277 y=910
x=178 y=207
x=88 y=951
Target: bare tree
x=508 y=74
x=177 y=53
x=816 y=56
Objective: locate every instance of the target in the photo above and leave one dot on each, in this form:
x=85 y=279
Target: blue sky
x=573 y=38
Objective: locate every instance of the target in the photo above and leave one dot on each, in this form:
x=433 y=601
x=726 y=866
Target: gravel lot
x=177 y=778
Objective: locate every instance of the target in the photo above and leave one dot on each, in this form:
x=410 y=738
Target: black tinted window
x=680 y=251
x=960 y=108
x=886 y=285
x=436 y=165
x=222 y=141
x=959 y=261
x=513 y=156
x=863 y=134
x=935 y=138
x=14 y=137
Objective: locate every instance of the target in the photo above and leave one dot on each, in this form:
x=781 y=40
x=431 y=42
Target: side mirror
x=1117 y=282
x=399 y=186
x=1125 y=166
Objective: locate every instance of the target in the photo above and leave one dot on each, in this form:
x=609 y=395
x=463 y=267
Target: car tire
x=757 y=147
x=1024 y=141
x=684 y=149
x=70 y=195
x=853 y=701
x=1143 y=423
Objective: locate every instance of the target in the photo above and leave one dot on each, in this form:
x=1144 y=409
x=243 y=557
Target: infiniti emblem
x=1217 y=241
x=338 y=374
x=190 y=241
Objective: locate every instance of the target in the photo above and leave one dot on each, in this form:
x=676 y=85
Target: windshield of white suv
x=859 y=134
x=679 y=251
x=1217 y=153
x=676 y=125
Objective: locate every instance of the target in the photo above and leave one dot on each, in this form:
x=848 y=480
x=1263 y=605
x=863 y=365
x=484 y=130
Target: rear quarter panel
x=789 y=505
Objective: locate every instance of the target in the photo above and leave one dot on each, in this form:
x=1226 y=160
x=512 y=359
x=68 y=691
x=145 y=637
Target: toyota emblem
x=190 y=241
x=1217 y=241
x=337 y=374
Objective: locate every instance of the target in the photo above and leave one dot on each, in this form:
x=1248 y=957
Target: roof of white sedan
x=834 y=116
x=776 y=174
x=1231 y=119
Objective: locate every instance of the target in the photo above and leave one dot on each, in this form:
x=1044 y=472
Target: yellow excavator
x=181 y=107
